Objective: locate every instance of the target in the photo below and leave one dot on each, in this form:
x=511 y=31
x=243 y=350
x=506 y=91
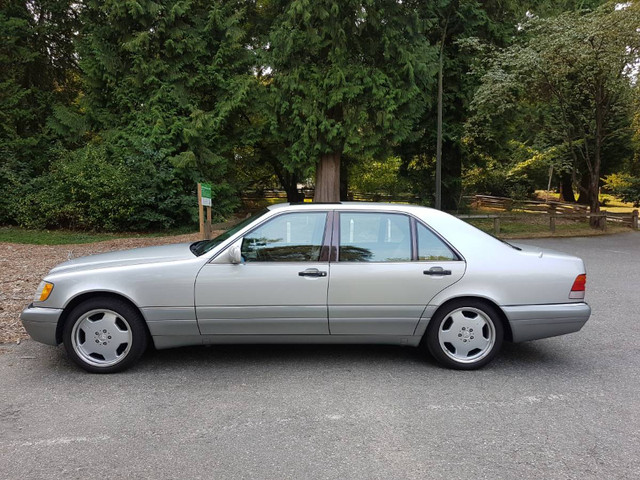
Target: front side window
x=374 y=237
x=431 y=248
x=291 y=237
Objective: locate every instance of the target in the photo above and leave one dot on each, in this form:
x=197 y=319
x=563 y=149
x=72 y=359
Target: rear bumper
x=41 y=323
x=530 y=322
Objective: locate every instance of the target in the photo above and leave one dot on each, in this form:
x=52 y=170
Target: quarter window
x=431 y=248
x=374 y=237
x=292 y=237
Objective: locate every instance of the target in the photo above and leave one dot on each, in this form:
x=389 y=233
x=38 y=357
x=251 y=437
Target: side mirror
x=235 y=256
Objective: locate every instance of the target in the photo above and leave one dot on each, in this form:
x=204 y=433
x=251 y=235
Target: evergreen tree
x=38 y=74
x=346 y=77
x=164 y=82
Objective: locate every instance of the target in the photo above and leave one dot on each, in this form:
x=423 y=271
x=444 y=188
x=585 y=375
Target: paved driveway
x=566 y=407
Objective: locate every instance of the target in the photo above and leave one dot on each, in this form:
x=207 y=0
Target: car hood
x=135 y=256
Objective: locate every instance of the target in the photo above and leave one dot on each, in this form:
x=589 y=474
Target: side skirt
x=166 y=341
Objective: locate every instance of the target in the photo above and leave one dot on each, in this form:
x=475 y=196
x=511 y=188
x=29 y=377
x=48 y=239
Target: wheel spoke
x=119 y=336
x=478 y=341
x=459 y=320
x=109 y=319
x=462 y=349
x=450 y=335
x=89 y=348
x=109 y=353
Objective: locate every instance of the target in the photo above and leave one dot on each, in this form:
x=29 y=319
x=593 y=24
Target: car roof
x=346 y=206
x=417 y=210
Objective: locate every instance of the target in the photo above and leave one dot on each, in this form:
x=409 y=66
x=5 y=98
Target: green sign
x=205 y=191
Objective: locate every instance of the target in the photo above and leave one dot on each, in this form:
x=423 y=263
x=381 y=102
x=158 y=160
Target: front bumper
x=531 y=322
x=41 y=323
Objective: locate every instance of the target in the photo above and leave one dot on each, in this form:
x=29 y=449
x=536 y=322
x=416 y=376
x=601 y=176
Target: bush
x=90 y=189
x=378 y=176
x=498 y=181
x=624 y=186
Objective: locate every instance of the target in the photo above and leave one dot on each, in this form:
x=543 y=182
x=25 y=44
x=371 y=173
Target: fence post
x=603 y=220
x=496 y=225
x=552 y=218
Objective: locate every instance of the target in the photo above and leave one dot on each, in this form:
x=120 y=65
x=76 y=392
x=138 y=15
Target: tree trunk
x=594 y=203
x=344 y=180
x=291 y=187
x=566 y=188
x=451 y=174
x=594 y=184
x=288 y=181
x=585 y=192
x=328 y=178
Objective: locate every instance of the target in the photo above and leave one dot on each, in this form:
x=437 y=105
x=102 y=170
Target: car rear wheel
x=104 y=335
x=465 y=334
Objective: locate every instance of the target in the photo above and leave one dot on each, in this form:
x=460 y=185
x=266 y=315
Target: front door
x=280 y=288
x=389 y=267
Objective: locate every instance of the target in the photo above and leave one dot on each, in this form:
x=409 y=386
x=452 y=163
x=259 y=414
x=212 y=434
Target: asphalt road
x=566 y=407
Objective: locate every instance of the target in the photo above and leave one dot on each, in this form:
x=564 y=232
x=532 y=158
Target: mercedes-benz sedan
x=314 y=273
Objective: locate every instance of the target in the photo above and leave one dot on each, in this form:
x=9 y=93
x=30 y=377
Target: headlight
x=43 y=292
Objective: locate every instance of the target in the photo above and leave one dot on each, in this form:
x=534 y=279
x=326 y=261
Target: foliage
x=87 y=190
x=565 y=83
x=624 y=186
x=164 y=82
x=494 y=179
x=454 y=26
x=347 y=77
x=373 y=176
x=111 y=111
x=38 y=73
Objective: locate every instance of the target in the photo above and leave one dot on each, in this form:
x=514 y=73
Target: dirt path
x=23 y=266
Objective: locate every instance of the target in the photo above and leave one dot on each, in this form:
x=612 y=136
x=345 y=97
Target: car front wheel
x=104 y=335
x=465 y=334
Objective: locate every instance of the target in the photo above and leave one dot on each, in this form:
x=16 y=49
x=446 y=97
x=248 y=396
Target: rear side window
x=431 y=248
x=292 y=237
x=374 y=237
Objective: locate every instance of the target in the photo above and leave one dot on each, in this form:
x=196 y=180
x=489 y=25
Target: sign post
x=204 y=200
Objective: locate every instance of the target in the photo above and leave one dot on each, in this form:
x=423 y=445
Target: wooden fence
x=553 y=209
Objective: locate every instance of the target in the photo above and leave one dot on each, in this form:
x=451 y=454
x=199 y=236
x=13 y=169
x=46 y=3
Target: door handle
x=437 y=271
x=312 y=272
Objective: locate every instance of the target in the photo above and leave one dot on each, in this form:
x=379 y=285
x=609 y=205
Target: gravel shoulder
x=22 y=267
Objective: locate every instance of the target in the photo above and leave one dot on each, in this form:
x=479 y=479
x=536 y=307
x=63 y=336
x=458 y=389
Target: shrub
x=624 y=186
x=93 y=190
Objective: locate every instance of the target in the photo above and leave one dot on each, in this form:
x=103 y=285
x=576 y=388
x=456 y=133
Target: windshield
x=204 y=246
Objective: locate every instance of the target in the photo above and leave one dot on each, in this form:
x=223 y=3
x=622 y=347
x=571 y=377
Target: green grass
x=608 y=202
x=63 y=237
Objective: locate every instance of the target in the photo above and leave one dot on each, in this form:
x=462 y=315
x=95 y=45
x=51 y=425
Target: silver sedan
x=314 y=273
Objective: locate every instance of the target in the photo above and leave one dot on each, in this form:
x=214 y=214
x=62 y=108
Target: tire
x=465 y=334
x=104 y=335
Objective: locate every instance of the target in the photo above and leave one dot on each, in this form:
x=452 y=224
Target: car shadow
x=285 y=354
x=512 y=356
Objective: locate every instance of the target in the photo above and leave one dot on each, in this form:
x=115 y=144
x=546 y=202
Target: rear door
x=388 y=267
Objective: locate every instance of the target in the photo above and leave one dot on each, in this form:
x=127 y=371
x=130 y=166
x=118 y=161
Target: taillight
x=577 y=291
